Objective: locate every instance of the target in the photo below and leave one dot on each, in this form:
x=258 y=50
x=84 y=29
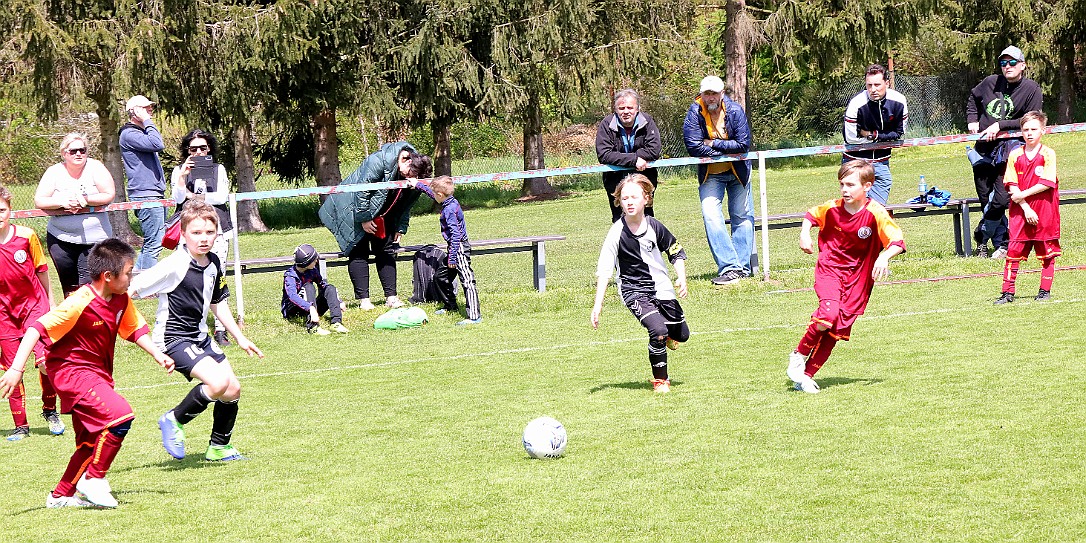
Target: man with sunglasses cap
x=996 y=105
x=140 y=143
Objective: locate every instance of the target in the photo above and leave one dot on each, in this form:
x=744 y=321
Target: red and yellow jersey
x=1024 y=173
x=81 y=334
x=22 y=296
x=849 y=244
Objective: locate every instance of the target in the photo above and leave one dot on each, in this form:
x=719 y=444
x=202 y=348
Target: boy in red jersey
x=25 y=295
x=856 y=240
x=1035 y=207
x=81 y=334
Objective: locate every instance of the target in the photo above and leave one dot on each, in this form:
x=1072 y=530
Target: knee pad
x=121 y=429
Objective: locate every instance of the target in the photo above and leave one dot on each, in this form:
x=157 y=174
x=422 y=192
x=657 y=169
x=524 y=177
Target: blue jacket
x=738 y=137
x=294 y=282
x=139 y=152
x=453 y=228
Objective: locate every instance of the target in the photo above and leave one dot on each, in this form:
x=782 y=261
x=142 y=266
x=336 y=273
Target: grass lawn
x=944 y=419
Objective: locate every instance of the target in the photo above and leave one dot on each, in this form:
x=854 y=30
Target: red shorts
x=829 y=314
x=101 y=407
x=8 y=348
x=1044 y=249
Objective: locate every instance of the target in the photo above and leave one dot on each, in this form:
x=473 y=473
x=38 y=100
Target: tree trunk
x=1065 y=108
x=248 y=211
x=442 y=147
x=533 y=151
x=109 y=148
x=326 y=154
x=735 y=52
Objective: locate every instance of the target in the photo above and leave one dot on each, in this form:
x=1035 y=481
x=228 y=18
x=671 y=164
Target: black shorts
x=186 y=354
x=642 y=306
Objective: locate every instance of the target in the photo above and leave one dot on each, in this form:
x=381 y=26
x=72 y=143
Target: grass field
x=945 y=419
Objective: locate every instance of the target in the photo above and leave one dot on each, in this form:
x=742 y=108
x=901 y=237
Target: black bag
x=426 y=263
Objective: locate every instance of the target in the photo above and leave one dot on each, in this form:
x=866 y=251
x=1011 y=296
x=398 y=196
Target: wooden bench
x=535 y=244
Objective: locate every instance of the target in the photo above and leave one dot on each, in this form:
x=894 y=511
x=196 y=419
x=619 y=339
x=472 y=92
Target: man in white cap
x=140 y=143
x=715 y=126
x=996 y=105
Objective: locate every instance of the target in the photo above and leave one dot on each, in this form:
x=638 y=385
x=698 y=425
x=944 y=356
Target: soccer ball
x=544 y=438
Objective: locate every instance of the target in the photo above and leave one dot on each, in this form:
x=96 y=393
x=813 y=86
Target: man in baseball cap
x=140 y=143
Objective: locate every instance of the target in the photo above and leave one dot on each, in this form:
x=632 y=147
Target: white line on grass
x=566 y=346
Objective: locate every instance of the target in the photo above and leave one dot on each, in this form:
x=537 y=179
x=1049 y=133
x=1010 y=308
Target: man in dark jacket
x=996 y=105
x=877 y=114
x=627 y=138
x=717 y=126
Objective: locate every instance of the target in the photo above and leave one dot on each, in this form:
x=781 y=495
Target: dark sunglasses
x=195 y=148
x=1008 y=62
x=79 y=151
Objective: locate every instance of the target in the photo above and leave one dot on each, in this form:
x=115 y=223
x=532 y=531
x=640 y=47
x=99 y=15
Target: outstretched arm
x=222 y=312
x=160 y=357
x=597 y=308
x=14 y=375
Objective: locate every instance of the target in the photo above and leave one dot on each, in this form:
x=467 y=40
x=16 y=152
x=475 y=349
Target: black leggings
x=70 y=261
x=358 y=265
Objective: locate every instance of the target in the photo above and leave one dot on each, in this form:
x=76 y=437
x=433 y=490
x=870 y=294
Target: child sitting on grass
x=306 y=293
x=635 y=244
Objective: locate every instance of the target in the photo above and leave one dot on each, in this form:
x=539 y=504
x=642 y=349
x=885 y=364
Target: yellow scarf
x=716 y=167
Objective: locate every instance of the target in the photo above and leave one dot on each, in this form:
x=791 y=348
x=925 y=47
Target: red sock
x=1010 y=275
x=17 y=403
x=1048 y=273
x=48 y=393
x=105 y=450
x=810 y=340
x=820 y=354
x=80 y=458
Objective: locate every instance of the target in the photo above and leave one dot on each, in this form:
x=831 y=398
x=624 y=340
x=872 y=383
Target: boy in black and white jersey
x=189 y=283
x=635 y=245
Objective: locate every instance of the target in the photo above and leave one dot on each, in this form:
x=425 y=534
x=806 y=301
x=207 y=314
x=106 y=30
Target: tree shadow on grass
x=841 y=381
x=629 y=385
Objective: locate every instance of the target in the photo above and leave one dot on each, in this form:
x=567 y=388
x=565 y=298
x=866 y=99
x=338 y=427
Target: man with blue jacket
x=716 y=126
x=140 y=143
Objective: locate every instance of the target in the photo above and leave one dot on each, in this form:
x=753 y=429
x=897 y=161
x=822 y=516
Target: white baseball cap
x=712 y=83
x=138 y=100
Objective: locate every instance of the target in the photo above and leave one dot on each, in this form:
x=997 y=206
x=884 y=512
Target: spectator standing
x=715 y=126
x=877 y=114
x=629 y=138
x=140 y=143
x=996 y=105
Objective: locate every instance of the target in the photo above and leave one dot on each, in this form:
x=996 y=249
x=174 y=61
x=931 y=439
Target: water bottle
x=922 y=187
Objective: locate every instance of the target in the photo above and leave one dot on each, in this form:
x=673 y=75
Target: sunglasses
x=1008 y=62
x=79 y=151
x=196 y=148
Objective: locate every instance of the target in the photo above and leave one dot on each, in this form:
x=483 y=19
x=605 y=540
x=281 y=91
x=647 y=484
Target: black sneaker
x=19 y=433
x=981 y=251
x=221 y=338
x=729 y=277
x=1004 y=298
x=1043 y=295
x=56 y=426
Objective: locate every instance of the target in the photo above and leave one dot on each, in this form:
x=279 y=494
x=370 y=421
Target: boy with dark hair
x=1035 y=207
x=856 y=240
x=25 y=295
x=81 y=334
x=189 y=283
x=456 y=235
x=307 y=294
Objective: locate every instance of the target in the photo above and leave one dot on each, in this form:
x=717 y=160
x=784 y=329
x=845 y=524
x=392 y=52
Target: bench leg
x=956 y=223
x=967 y=231
x=539 y=266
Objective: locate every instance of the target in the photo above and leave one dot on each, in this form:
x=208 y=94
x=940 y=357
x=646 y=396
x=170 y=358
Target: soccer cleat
x=96 y=491
x=222 y=453
x=808 y=385
x=1043 y=295
x=173 y=435
x=796 y=364
x=65 y=501
x=661 y=386
x=339 y=328
x=727 y=278
x=221 y=338
x=393 y=302
x=56 y=426
x=672 y=344
x=466 y=322
x=318 y=330
x=999 y=254
x=366 y=305
x=19 y=433
x=1004 y=298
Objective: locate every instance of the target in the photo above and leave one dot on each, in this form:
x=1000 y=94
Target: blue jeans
x=153 y=223
x=880 y=189
x=731 y=250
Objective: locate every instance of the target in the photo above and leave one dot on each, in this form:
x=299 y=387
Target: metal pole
x=765 y=216
x=237 y=259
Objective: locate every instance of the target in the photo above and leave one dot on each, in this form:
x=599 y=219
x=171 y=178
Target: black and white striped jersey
x=185 y=292
x=639 y=258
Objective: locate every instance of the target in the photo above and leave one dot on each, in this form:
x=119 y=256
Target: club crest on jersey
x=1039 y=171
x=864 y=232
x=19 y=256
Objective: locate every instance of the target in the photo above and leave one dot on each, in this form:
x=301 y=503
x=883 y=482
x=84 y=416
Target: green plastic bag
x=401 y=317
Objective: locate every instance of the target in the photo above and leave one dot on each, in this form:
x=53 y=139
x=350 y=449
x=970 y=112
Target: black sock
x=226 y=414
x=193 y=404
x=658 y=358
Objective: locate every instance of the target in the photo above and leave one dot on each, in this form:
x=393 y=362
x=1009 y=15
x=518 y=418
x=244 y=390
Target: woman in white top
x=69 y=188
x=214 y=191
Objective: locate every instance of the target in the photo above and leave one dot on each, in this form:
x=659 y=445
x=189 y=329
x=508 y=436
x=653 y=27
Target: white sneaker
x=366 y=305
x=393 y=302
x=65 y=501
x=999 y=254
x=796 y=364
x=96 y=491
x=808 y=385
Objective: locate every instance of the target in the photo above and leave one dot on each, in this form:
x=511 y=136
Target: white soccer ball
x=545 y=438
